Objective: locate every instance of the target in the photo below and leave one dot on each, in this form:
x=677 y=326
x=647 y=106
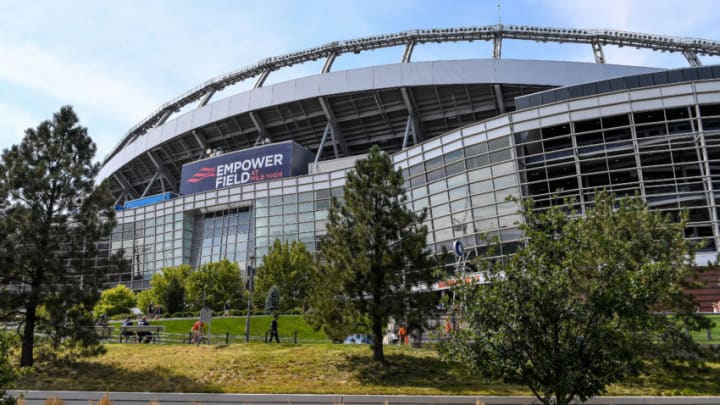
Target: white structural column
x=407 y=54
x=337 y=136
x=598 y=51
x=692 y=58
x=328 y=62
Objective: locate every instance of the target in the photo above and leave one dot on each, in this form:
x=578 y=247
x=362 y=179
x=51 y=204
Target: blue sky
x=117 y=61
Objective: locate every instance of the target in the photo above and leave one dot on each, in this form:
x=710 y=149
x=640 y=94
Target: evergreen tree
x=272 y=302
x=375 y=262
x=577 y=308
x=51 y=217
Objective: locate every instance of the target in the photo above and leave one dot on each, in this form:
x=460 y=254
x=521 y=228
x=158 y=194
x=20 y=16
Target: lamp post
x=250 y=285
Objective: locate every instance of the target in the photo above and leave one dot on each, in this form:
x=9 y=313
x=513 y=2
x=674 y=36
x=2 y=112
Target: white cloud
x=73 y=82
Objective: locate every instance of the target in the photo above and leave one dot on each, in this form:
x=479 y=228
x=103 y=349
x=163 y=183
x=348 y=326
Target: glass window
x=498 y=143
x=500 y=156
x=437 y=199
x=454 y=156
x=504 y=181
x=455 y=181
x=437 y=187
x=440 y=210
x=479 y=174
x=305 y=196
x=476 y=149
x=458 y=192
x=433 y=163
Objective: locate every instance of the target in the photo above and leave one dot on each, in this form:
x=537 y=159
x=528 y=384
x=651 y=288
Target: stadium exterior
x=263 y=164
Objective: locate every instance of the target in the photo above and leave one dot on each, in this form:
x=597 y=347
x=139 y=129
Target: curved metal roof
x=597 y=38
x=360 y=107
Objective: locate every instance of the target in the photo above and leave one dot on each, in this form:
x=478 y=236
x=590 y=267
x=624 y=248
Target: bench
x=151 y=333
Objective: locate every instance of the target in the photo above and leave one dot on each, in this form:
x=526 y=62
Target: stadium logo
x=202 y=174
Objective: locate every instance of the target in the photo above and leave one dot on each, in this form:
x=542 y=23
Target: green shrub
x=117 y=300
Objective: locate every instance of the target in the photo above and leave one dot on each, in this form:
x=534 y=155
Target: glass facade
x=662 y=143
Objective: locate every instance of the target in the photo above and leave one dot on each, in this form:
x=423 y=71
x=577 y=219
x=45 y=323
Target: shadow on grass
x=89 y=376
x=676 y=378
x=401 y=370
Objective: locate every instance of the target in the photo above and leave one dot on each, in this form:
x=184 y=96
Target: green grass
x=314 y=368
x=288 y=325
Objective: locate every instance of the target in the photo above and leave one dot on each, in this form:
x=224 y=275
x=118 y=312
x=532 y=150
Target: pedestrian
x=196 y=331
x=402 y=335
x=150 y=310
x=274 y=330
x=227 y=308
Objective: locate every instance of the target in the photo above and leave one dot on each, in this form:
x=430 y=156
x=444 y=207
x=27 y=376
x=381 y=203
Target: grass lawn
x=312 y=368
x=288 y=325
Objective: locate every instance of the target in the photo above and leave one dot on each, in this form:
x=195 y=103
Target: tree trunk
x=377 y=328
x=28 y=339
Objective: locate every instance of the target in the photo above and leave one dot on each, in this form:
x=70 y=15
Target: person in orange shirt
x=402 y=334
x=196 y=328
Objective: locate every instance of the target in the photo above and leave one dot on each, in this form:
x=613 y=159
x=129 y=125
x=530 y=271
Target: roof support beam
x=497 y=45
x=162 y=119
x=322 y=143
x=409 y=127
x=328 y=62
x=206 y=98
x=692 y=58
x=499 y=98
x=263 y=136
x=261 y=79
x=418 y=135
x=150 y=183
x=338 y=138
x=125 y=184
x=171 y=180
x=598 y=51
x=408 y=51
x=119 y=199
x=199 y=139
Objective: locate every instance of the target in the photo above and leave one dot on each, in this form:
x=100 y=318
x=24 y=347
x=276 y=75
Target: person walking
x=274 y=330
x=227 y=308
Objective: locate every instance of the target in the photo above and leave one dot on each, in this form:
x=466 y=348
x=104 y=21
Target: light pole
x=251 y=285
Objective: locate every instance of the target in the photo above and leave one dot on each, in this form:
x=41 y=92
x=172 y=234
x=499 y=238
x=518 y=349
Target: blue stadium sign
x=263 y=163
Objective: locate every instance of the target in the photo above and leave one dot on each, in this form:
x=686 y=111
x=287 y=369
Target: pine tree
x=272 y=302
x=51 y=217
x=375 y=262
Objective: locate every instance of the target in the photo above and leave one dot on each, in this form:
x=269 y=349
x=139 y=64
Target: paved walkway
x=137 y=398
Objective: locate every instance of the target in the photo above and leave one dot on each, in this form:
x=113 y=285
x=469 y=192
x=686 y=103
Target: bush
x=122 y=317
x=8 y=373
x=116 y=300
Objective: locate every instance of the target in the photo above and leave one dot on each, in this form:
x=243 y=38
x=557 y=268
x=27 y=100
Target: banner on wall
x=263 y=163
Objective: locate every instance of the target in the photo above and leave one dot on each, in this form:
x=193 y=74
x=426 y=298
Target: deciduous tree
x=577 y=308
x=52 y=214
x=169 y=287
x=376 y=264
x=289 y=267
x=213 y=284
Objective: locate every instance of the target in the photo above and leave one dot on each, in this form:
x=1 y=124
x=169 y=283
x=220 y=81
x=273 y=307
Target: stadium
x=226 y=176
